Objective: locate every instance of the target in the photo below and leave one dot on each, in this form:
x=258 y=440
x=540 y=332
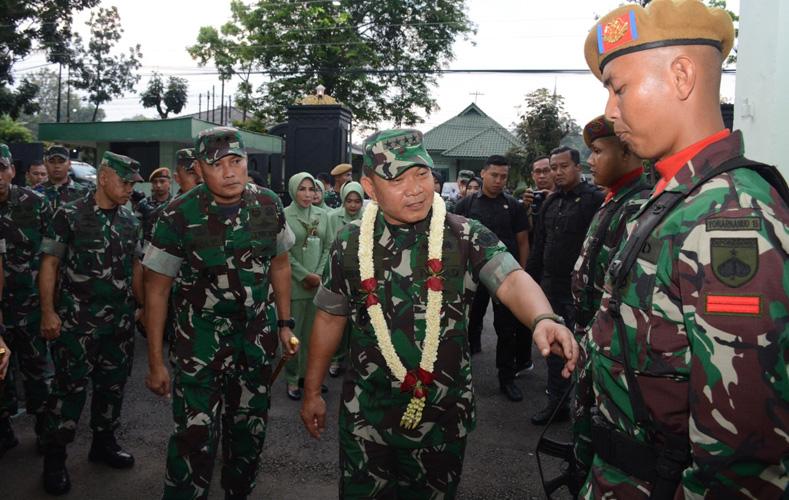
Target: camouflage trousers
x=220 y=389
x=371 y=470
x=31 y=356
x=303 y=312
x=81 y=358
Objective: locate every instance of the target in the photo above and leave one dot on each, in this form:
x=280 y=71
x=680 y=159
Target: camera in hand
x=536 y=204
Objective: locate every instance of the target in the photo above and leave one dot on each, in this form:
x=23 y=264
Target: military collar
x=709 y=157
x=13 y=195
x=395 y=238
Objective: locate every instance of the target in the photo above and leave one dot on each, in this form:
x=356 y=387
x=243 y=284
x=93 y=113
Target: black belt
x=661 y=465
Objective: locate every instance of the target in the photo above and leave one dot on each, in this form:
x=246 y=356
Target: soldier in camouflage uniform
x=96 y=241
x=218 y=246
x=59 y=188
x=378 y=457
x=341 y=174
x=616 y=168
x=23 y=218
x=149 y=207
x=5 y=352
x=688 y=352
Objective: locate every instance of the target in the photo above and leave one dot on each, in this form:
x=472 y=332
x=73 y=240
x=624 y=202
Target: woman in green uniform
x=305 y=258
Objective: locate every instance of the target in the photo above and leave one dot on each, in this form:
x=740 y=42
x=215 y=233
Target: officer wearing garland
x=218 y=247
x=59 y=188
x=24 y=215
x=404 y=276
x=688 y=352
x=96 y=242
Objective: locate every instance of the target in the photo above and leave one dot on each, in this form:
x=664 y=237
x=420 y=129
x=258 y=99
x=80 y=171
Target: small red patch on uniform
x=734 y=304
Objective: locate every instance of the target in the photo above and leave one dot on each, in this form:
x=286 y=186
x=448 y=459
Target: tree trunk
x=95 y=112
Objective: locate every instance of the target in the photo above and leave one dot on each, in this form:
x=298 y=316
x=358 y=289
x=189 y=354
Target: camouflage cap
x=216 y=143
x=465 y=175
x=56 y=150
x=597 y=128
x=185 y=158
x=5 y=155
x=389 y=153
x=126 y=168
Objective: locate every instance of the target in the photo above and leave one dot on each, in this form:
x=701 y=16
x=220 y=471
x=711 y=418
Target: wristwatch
x=551 y=316
x=286 y=323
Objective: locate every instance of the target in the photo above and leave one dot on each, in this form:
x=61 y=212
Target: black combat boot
x=106 y=449
x=56 y=479
x=8 y=439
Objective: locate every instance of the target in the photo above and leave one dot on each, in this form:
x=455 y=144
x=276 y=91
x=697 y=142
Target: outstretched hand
x=551 y=337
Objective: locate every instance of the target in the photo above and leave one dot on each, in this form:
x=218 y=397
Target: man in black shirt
x=559 y=233
x=507 y=219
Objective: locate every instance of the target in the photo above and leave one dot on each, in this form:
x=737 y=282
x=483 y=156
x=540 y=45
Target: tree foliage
x=375 y=56
x=543 y=125
x=29 y=25
x=103 y=75
x=166 y=99
x=12 y=131
x=47 y=100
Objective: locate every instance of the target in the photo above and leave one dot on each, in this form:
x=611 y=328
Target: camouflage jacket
x=372 y=403
x=617 y=210
x=147 y=210
x=220 y=264
x=23 y=219
x=706 y=324
x=96 y=252
x=60 y=195
x=332 y=199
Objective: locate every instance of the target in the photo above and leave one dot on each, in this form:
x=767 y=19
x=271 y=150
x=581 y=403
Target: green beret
x=662 y=23
x=126 y=168
x=5 y=155
x=215 y=143
x=597 y=128
x=389 y=153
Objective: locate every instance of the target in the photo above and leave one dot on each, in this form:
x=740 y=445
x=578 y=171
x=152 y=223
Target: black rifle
x=572 y=476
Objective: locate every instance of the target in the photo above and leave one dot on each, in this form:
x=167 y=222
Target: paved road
x=500 y=463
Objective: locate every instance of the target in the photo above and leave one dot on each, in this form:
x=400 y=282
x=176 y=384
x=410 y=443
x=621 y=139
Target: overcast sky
x=511 y=34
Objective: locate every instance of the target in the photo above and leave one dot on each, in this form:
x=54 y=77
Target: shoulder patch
x=734 y=261
x=734 y=224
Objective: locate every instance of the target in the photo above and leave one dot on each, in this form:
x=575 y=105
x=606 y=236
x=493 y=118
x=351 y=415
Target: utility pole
x=60 y=82
x=222 y=104
x=199 y=105
x=213 y=103
x=68 y=96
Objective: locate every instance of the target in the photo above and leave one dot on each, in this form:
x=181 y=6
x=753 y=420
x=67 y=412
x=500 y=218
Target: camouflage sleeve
x=44 y=215
x=332 y=295
x=733 y=276
x=490 y=260
x=2 y=246
x=165 y=253
x=285 y=238
x=58 y=235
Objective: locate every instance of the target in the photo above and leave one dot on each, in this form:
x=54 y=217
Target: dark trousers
x=513 y=345
x=557 y=385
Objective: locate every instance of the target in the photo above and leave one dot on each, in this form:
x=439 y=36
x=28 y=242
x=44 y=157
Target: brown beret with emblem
x=159 y=172
x=342 y=168
x=597 y=128
x=662 y=23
